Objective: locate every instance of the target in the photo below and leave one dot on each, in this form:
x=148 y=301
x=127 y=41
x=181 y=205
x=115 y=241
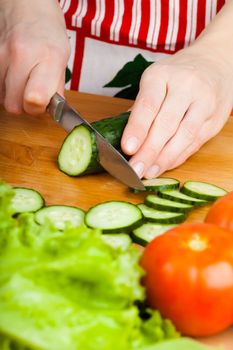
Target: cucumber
x=166 y=204
x=114 y=216
x=60 y=216
x=26 y=200
x=79 y=154
x=202 y=190
x=178 y=196
x=158 y=216
x=158 y=184
x=148 y=231
x=119 y=241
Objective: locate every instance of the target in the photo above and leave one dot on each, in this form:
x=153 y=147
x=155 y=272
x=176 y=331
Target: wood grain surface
x=28 y=157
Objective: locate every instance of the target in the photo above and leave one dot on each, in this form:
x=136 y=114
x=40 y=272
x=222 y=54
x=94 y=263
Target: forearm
x=218 y=35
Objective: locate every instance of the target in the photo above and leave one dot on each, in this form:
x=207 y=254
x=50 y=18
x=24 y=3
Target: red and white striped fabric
x=106 y=34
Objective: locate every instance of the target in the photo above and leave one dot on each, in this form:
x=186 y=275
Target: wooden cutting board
x=29 y=147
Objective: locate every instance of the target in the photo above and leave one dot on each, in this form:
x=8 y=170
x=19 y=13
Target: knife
x=110 y=159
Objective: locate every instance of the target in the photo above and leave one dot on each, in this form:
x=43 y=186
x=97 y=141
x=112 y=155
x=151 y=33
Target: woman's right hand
x=34 y=51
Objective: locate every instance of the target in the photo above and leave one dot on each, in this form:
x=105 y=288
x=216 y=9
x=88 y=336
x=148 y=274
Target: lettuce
x=69 y=290
x=179 y=344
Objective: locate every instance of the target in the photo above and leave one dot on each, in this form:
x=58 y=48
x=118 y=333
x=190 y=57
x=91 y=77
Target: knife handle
x=55 y=107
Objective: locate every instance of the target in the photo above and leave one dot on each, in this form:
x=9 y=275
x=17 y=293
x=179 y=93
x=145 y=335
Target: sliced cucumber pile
x=148 y=231
x=165 y=204
x=114 y=216
x=178 y=196
x=60 y=216
x=162 y=217
x=26 y=200
x=202 y=190
x=121 y=222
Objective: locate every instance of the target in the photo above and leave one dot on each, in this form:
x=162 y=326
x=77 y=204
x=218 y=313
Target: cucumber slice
x=159 y=184
x=202 y=190
x=147 y=232
x=166 y=204
x=178 y=196
x=26 y=200
x=79 y=155
x=119 y=241
x=60 y=216
x=76 y=152
x=114 y=216
x=158 y=216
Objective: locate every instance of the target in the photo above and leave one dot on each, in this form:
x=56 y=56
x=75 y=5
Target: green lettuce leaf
x=180 y=344
x=70 y=290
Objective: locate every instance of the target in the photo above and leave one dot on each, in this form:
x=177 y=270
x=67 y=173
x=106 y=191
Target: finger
x=61 y=85
x=44 y=81
x=209 y=129
x=162 y=130
x=194 y=147
x=3 y=72
x=2 y=89
x=143 y=112
x=186 y=141
x=15 y=82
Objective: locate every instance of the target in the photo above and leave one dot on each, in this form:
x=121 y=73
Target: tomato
x=221 y=212
x=189 y=277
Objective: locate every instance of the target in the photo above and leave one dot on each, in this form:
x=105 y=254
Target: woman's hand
x=183 y=101
x=34 y=50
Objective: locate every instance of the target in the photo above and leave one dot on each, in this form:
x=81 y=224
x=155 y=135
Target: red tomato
x=221 y=212
x=189 y=277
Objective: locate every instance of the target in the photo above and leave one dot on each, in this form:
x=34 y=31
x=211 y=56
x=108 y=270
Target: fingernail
x=131 y=144
x=138 y=168
x=153 y=171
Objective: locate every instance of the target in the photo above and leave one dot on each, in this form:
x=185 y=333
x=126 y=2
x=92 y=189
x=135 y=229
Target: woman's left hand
x=183 y=101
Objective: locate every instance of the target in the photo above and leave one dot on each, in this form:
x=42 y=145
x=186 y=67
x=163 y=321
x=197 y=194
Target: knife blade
x=110 y=159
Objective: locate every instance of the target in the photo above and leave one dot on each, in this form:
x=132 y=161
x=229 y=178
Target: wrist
x=23 y=12
x=28 y=10
x=213 y=52
x=216 y=39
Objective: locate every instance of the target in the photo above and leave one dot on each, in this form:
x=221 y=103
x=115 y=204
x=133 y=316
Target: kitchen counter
x=28 y=152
